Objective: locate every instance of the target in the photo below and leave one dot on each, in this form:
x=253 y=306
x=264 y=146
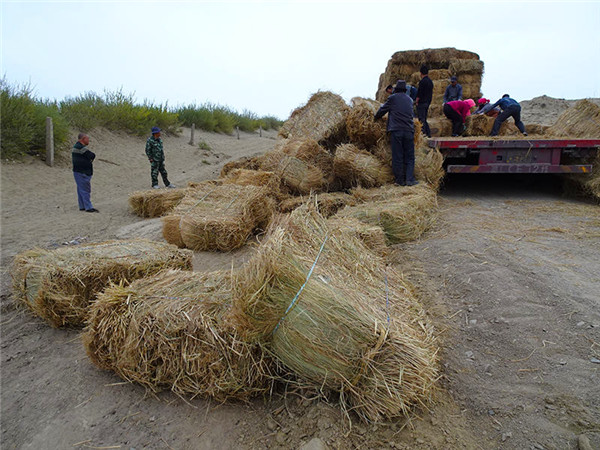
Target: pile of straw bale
x=333 y=313
x=155 y=202
x=59 y=285
x=218 y=217
x=171 y=331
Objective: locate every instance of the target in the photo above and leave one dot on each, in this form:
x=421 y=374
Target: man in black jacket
x=83 y=171
x=401 y=129
x=424 y=96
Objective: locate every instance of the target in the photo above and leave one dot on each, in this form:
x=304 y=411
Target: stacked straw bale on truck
x=170 y=331
x=59 y=285
x=404 y=213
x=323 y=118
x=317 y=297
x=218 y=217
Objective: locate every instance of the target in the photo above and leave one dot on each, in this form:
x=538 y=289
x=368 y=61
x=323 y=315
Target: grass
x=203 y=145
x=23 y=118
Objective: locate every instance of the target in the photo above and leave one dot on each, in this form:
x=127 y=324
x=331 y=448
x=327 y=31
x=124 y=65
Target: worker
x=457 y=111
x=423 y=100
x=453 y=91
x=156 y=156
x=389 y=90
x=485 y=107
x=401 y=129
x=83 y=169
x=510 y=107
x=411 y=91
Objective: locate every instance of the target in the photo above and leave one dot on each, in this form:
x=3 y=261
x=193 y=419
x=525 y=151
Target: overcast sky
x=269 y=57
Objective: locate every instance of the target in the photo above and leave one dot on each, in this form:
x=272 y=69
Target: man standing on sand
x=82 y=171
x=424 y=96
x=400 y=126
x=156 y=156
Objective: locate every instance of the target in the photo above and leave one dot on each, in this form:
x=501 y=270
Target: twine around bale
x=291 y=305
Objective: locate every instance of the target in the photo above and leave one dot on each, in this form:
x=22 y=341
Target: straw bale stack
x=323 y=118
x=355 y=167
x=155 y=202
x=218 y=218
x=363 y=131
x=58 y=285
x=317 y=296
x=245 y=162
x=327 y=203
x=297 y=177
x=403 y=65
x=373 y=237
x=171 y=331
x=579 y=121
x=404 y=213
x=458 y=67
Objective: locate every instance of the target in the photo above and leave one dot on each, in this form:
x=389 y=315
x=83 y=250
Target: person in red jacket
x=457 y=111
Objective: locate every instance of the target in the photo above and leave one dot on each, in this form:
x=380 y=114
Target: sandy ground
x=509 y=276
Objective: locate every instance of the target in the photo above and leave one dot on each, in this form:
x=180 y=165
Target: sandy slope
x=509 y=276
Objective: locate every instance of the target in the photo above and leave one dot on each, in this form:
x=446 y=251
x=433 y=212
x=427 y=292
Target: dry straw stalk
x=59 y=285
x=170 y=331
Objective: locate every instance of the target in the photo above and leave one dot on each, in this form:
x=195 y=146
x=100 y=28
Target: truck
x=543 y=156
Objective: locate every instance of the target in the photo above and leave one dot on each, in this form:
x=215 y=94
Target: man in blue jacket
x=510 y=107
x=453 y=91
x=401 y=129
x=82 y=171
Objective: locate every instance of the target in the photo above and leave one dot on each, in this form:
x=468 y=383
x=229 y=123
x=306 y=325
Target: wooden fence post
x=237 y=130
x=192 y=138
x=260 y=131
x=49 y=142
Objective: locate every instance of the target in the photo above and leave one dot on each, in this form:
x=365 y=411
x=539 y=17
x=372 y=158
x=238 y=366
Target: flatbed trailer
x=465 y=155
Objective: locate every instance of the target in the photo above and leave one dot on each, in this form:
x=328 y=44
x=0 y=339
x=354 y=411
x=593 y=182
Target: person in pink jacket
x=457 y=111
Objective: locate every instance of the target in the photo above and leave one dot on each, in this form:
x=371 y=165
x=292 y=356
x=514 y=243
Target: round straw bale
x=363 y=130
x=323 y=118
x=355 y=167
x=155 y=202
x=171 y=331
x=59 y=285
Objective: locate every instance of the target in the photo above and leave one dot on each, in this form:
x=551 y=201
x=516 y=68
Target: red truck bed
x=464 y=155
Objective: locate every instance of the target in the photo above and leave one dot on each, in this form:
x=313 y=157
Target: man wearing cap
x=156 y=156
x=401 y=129
x=453 y=91
x=510 y=108
x=484 y=107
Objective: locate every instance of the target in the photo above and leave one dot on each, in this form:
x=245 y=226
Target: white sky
x=269 y=57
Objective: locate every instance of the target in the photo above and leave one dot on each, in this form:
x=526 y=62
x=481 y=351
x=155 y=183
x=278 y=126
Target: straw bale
x=155 y=202
x=363 y=130
x=404 y=213
x=479 y=125
x=297 y=176
x=373 y=237
x=383 y=152
x=440 y=126
x=323 y=118
x=309 y=151
x=462 y=66
x=250 y=163
x=219 y=218
x=429 y=166
x=336 y=316
x=355 y=167
x=327 y=203
x=579 y=121
x=171 y=331
x=247 y=177
x=58 y=285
